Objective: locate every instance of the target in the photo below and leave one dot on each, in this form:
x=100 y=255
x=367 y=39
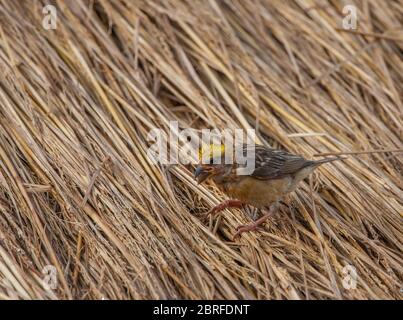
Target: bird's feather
x=276 y=164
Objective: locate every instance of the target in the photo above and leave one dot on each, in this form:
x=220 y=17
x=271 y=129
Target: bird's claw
x=247 y=228
x=244 y=228
x=221 y=206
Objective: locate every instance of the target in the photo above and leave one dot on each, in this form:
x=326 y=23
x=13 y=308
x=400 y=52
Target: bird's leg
x=223 y=205
x=252 y=226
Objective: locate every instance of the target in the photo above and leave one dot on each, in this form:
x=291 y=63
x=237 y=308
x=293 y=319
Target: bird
x=276 y=173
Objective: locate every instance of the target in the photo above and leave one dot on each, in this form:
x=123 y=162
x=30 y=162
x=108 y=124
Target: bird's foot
x=223 y=205
x=251 y=226
x=245 y=228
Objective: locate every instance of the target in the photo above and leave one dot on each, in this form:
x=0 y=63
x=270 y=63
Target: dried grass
x=78 y=192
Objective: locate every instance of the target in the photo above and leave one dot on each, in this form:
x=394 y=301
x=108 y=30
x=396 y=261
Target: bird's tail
x=326 y=160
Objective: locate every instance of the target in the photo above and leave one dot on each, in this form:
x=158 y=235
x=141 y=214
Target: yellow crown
x=211 y=150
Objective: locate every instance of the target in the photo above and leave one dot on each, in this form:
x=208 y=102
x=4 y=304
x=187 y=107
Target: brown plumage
x=276 y=174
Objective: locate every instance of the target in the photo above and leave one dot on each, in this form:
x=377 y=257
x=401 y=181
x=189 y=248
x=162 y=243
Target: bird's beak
x=201 y=174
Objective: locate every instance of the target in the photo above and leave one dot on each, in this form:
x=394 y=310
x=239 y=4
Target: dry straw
x=78 y=192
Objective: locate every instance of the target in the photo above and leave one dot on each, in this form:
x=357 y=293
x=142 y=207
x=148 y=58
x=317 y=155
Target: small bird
x=276 y=173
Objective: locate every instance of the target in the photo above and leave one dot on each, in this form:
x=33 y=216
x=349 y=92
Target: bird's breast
x=258 y=193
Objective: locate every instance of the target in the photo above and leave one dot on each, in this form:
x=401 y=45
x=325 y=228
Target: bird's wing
x=276 y=164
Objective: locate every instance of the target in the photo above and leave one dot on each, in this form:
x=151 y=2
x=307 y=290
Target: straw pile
x=78 y=193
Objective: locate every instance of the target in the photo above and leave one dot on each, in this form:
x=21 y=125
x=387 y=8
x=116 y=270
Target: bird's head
x=212 y=163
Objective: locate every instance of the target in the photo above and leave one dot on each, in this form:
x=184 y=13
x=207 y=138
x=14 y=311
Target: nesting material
x=80 y=199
